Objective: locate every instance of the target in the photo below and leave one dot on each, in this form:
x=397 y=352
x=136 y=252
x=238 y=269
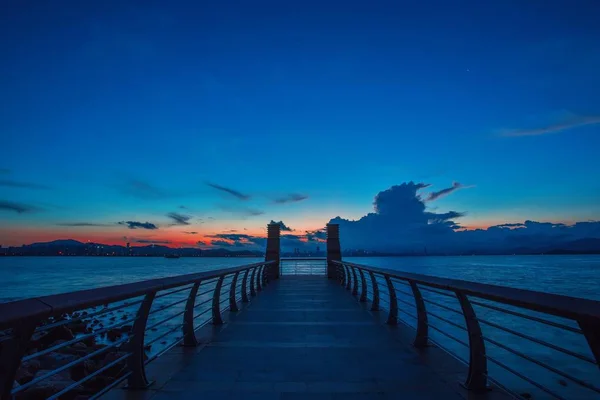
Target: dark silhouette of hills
x=70 y=247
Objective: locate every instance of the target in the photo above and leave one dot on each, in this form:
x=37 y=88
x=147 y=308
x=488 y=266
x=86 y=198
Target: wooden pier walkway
x=305 y=338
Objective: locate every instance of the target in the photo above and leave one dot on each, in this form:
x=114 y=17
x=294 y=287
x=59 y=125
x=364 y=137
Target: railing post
x=591 y=331
x=11 y=353
x=363 y=282
x=216 y=303
x=258 y=284
x=375 y=304
x=341 y=274
x=264 y=276
x=355 y=285
x=477 y=377
x=232 y=301
x=393 y=315
x=422 y=336
x=334 y=251
x=252 y=289
x=137 y=379
x=189 y=336
x=245 y=287
x=273 y=250
x=348 y=278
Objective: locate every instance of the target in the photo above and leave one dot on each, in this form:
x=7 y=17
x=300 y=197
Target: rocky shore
x=44 y=364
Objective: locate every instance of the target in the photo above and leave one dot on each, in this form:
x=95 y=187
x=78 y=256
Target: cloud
x=24 y=185
x=179 y=219
x=19 y=208
x=400 y=222
x=232 y=192
x=237 y=239
x=148 y=241
x=316 y=236
x=201 y=243
x=191 y=233
x=290 y=198
x=282 y=226
x=231 y=236
x=183 y=208
x=136 y=225
x=81 y=224
x=515 y=225
x=444 y=192
x=287 y=242
x=573 y=122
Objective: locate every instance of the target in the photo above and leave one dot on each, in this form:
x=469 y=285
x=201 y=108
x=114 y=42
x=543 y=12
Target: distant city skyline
x=196 y=126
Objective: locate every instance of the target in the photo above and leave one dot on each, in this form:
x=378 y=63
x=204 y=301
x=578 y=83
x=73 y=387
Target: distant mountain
x=580 y=246
x=76 y=248
x=70 y=247
x=60 y=242
x=583 y=244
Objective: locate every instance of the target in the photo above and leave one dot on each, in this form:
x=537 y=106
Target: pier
x=305 y=328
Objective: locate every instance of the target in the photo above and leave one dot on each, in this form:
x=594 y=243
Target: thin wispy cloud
x=252 y=212
x=290 y=198
x=19 y=208
x=191 y=233
x=574 y=122
x=138 y=225
x=444 y=192
x=230 y=191
x=179 y=219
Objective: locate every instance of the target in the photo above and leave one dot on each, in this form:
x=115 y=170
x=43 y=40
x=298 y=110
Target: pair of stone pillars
x=334 y=252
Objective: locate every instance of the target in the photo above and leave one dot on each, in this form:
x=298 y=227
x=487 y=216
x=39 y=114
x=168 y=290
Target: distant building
x=128 y=253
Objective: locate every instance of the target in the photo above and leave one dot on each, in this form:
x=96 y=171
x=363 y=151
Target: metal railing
x=90 y=341
x=451 y=308
x=303 y=266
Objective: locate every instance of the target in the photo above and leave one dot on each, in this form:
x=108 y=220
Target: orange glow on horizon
x=19 y=236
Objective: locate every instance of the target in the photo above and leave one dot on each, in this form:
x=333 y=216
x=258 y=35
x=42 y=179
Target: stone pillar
x=272 y=254
x=334 y=251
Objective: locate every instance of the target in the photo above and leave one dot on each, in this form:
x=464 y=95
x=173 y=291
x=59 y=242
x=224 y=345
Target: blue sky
x=333 y=102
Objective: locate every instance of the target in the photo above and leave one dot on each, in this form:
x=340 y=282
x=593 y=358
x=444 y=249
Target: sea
x=571 y=275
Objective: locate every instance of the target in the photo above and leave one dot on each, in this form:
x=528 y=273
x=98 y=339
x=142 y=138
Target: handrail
x=46 y=306
x=303 y=266
x=24 y=321
x=583 y=312
x=554 y=304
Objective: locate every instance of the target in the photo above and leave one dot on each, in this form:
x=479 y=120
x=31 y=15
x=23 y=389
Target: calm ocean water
x=23 y=277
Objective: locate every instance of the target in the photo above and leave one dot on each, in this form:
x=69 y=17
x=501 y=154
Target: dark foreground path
x=305 y=338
